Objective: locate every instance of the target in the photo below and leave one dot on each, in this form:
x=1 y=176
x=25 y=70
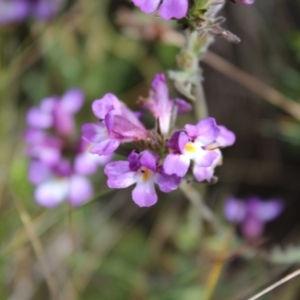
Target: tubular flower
x=167 y=8
x=143 y=170
x=161 y=106
x=252 y=214
x=116 y=124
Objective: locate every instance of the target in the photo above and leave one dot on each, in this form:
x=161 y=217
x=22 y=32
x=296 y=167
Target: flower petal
x=94 y=133
x=173 y=9
x=80 y=190
x=225 y=138
x=234 y=210
x=176 y=164
x=202 y=173
x=52 y=192
x=252 y=227
x=144 y=194
x=147 y=6
x=106 y=147
x=38 y=172
x=119 y=175
x=208 y=131
x=38 y=118
x=205 y=158
x=148 y=160
x=167 y=183
x=72 y=100
x=109 y=102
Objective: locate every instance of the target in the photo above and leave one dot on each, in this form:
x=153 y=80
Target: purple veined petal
x=225 y=138
x=252 y=227
x=173 y=9
x=176 y=164
x=38 y=172
x=52 y=192
x=165 y=182
x=208 y=131
x=147 y=6
x=205 y=158
x=148 y=160
x=108 y=103
x=80 y=190
x=234 y=210
x=72 y=101
x=38 y=118
x=123 y=130
x=119 y=175
x=13 y=11
x=144 y=194
x=202 y=173
x=265 y=211
x=94 y=133
x=46 y=9
x=106 y=147
x=87 y=163
x=182 y=106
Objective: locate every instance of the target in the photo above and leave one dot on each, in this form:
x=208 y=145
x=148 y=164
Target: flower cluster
x=252 y=214
x=160 y=156
x=176 y=9
x=59 y=161
x=15 y=11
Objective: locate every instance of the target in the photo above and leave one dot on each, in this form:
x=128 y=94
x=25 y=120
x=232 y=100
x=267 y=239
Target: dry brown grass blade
x=38 y=249
x=276 y=284
x=253 y=84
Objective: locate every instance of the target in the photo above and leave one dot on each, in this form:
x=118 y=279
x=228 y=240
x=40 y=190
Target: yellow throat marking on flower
x=146 y=174
x=190 y=148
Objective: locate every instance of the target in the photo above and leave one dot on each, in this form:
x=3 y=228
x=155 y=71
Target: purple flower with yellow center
x=192 y=144
x=167 y=8
x=252 y=214
x=162 y=106
x=117 y=124
x=57 y=112
x=143 y=170
x=225 y=138
x=58 y=183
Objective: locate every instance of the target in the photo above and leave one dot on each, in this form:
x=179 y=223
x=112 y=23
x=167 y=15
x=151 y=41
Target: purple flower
x=16 y=11
x=190 y=144
x=58 y=183
x=225 y=138
x=46 y=9
x=167 y=8
x=57 y=112
x=13 y=11
x=252 y=214
x=43 y=146
x=117 y=124
x=142 y=169
x=198 y=143
x=160 y=104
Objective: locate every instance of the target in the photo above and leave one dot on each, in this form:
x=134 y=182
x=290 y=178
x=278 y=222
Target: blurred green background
x=110 y=248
